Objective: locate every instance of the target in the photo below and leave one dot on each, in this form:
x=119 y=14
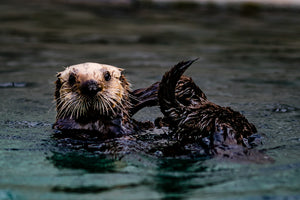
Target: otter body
x=192 y=118
x=95 y=106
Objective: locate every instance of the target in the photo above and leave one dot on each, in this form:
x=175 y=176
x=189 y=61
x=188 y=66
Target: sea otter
x=97 y=98
x=95 y=106
x=193 y=119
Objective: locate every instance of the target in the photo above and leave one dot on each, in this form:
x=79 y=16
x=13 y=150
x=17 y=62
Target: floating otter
x=97 y=98
x=95 y=106
x=193 y=119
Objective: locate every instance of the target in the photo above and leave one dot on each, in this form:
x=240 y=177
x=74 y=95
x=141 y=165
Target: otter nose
x=90 y=88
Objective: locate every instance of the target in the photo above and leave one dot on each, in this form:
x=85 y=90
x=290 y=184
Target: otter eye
x=72 y=79
x=107 y=76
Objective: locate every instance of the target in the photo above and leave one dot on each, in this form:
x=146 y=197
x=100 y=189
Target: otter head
x=90 y=91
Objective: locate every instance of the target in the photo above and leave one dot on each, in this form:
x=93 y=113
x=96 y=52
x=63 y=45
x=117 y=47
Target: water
x=249 y=61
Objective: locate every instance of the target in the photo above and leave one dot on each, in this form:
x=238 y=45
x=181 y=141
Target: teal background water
x=249 y=60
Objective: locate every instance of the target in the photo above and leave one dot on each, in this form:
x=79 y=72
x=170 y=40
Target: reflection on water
x=249 y=60
x=174 y=177
x=74 y=160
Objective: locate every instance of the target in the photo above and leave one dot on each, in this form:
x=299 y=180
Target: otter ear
x=121 y=71
x=122 y=77
x=124 y=82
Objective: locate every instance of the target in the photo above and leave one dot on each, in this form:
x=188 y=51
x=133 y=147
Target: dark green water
x=249 y=61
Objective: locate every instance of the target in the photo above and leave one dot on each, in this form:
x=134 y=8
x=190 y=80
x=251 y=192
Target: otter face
x=90 y=90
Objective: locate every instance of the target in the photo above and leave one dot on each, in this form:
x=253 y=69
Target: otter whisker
x=98 y=105
x=110 y=106
x=60 y=102
x=113 y=102
x=74 y=111
x=80 y=107
x=103 y=109
x=115 y=98
x=69 y=106
x=120 y=106
x=67 y=109
x=103 y=105
x=64 y=109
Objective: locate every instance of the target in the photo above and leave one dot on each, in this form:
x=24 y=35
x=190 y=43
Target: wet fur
x=192 y=118
x=197 y=126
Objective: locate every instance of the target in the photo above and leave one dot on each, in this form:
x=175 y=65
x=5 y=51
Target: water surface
x=249 y=62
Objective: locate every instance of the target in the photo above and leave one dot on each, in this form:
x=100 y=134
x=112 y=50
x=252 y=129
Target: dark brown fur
x=194 y=119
